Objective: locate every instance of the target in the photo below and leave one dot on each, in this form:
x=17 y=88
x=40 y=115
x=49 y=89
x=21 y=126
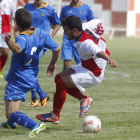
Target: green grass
x=116 y=99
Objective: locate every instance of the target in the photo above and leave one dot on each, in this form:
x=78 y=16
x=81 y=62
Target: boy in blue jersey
x=69 y=49
x=24 y=69
x=43 y=16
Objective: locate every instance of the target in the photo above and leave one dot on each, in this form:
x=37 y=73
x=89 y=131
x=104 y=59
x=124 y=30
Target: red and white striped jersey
x=7 y=11
x=88 y=46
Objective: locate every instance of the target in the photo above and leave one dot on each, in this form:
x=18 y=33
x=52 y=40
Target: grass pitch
x=116 y=99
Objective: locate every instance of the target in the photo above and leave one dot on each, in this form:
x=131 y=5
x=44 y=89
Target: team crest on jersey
x=43 y=14
x=80 y=12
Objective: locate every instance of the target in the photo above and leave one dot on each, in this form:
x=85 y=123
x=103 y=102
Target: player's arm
x=103 y=55
x=52 y=66
x=15 y=48
x=55 y=30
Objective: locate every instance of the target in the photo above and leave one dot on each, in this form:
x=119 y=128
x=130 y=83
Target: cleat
x=9 y=126
x=39 y=127
x=48 y=117
x=34 y=102
x=1 y=74
x=84 y=105
x=44 y=101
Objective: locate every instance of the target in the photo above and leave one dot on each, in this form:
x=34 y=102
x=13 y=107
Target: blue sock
x=22 y=119
x=64 y=69
x=39 y=90
x=33 y=92
x=11 y=122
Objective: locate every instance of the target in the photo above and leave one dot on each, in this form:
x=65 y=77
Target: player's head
x=23 y=19
x=75 y=1
x=72 y=26
x=38 y=1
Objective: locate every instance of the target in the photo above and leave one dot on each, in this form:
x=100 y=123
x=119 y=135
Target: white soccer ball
x=91 y=124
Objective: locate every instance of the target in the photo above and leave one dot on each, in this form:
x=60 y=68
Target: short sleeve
x=91 y=48
x=62 y=15
x=54 y=18
x=12 y=9
x=51 y=44
x=90 y=15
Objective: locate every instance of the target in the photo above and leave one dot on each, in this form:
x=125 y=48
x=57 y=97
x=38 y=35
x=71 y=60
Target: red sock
x=0 y=62
x=57 y=77
x=75 y=92
x=59 y=97
x=3 y=60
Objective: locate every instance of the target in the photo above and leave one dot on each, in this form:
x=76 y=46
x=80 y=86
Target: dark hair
x=23 y=18
x=72 y=22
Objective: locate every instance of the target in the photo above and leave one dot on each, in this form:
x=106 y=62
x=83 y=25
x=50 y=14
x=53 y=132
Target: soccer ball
x=91 y=124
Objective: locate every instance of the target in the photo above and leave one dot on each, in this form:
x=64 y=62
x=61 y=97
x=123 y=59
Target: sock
x=64 y=68
x=3 y=60
x=57 y=77
x=75 y=92
x=33 y=92
x=10 y=122
x=59 y=97
x=22 y=119
x=39 y=90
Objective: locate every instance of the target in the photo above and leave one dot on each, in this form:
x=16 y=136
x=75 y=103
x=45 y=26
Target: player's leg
x=12 y=105
x=34 y=98
x=66 y=53
x=3 y=56
x=44 y=97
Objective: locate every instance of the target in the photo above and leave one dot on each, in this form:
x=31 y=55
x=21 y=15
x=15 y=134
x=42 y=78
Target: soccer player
x=84 y=12
x=24 y=69
x=43 y=16
x=7 y=12
x=90 y=72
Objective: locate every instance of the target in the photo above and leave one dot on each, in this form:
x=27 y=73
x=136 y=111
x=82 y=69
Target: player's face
x=75 y=1
x=38 y=1
x=69 y=33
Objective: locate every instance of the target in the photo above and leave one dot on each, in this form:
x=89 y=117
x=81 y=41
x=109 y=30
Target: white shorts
x=83 y=78
x=2 y=42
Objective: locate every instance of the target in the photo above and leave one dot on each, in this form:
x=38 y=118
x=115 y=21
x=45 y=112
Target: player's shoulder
x=86 y=6
x=9 y=1
x=66 y=7
x=28 y=5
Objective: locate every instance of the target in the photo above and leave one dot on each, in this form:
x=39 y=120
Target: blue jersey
x=84 y=12
x=24 y=66
x=43 y=17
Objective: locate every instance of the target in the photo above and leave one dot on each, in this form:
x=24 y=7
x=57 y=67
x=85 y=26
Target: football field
x=116 y=99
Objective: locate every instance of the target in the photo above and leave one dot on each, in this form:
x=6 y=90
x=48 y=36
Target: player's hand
x=51 y=69
x=112 y=63
x=7 y=36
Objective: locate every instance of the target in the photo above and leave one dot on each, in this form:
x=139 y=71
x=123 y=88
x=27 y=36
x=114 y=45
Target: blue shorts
x=12 y=92
x=69 y=49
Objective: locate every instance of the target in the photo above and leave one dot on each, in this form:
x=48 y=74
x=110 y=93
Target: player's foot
x=9 y=126
x=34 y=102
x=84 y=105
x=48 y=117
x=44 y=101
x=39 y=127
x=1 y=74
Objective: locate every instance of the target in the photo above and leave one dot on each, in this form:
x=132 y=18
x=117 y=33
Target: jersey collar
x=28 y=33
x=45 y=5
x=77 y=6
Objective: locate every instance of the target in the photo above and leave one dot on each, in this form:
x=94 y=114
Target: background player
x=69 y=49
x=90 y=72
x=7 y=12
x=24 y=69
x=43 y=16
